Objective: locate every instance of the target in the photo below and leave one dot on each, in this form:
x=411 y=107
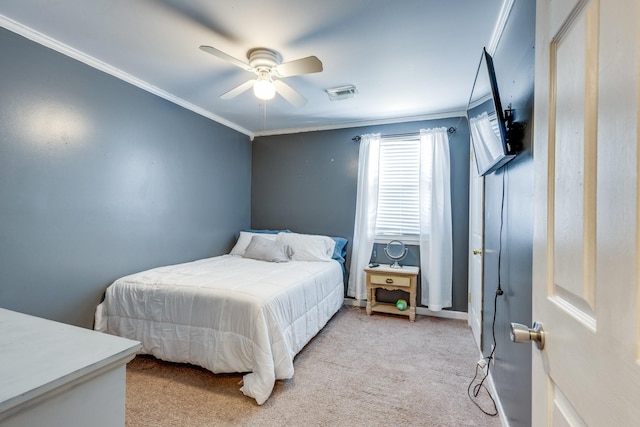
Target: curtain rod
x=357 y=138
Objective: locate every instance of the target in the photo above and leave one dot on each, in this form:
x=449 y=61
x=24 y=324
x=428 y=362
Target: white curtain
x=365 y=221
x=436 y=243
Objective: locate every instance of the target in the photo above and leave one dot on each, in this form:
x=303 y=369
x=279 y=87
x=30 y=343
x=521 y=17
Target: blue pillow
x=340 y=250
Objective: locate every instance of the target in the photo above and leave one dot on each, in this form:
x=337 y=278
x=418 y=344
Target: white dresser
x=53 y=374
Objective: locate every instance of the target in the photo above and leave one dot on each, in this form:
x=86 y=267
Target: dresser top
x=39 y=355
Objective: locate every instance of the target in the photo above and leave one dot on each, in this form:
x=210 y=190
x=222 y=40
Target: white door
x=585 y=271
x=476 y=245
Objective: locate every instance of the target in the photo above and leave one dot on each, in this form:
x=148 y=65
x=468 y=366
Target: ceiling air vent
x=342 y=92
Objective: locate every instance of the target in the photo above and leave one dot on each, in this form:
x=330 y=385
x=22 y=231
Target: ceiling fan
x=267 y=65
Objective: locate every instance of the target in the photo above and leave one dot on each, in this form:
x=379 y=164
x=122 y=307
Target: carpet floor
x=360 y=370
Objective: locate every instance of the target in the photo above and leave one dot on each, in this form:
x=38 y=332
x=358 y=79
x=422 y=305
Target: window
x=398 y=214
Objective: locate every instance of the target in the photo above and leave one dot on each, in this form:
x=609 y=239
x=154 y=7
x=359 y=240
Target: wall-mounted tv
x=486 y=120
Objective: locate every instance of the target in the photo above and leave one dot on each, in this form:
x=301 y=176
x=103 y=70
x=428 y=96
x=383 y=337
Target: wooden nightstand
x=385 y=277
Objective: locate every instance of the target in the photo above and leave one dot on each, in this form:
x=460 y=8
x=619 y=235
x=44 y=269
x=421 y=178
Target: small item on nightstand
x=401 y=305
x=396 y=251
x=374 y=265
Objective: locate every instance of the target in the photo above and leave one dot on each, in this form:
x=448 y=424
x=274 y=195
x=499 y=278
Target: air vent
x=342 y=92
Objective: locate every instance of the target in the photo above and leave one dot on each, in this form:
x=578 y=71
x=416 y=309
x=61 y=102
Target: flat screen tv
x=486 y=120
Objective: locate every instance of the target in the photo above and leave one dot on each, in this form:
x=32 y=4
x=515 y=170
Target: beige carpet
x=360 y=370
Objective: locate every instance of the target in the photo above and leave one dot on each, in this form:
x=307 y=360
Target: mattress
x=226 y=314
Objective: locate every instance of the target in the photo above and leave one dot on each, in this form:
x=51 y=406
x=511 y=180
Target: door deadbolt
x=522 y=333
x=477 y=251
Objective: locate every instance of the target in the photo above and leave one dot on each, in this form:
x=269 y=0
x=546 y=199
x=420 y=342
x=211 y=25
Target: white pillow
x=265 y=249
x=245 y=239
x=308 y=247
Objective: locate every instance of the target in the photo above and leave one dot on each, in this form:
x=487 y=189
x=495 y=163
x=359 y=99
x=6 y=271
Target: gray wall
x=307 y=182
x=514 y=63
x=99 y=179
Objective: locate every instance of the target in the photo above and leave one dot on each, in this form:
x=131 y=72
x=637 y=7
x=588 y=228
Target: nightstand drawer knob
x=389 y=280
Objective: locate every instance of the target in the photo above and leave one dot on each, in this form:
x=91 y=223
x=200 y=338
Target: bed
x=250 y=311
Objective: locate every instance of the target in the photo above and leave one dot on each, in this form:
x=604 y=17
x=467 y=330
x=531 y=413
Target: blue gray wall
x=514 y=64
x=307 y=182
x=99 y=179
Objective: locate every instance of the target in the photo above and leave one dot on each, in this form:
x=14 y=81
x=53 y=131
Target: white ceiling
x=409 y=59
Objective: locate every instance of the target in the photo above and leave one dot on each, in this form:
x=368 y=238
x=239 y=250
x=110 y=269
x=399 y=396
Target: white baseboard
x=449 y=314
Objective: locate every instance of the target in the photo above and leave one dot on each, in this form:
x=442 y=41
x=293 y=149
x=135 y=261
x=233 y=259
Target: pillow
x=245 y=239
x=340 y=251
x=308 y=247
x=265 y=231
x=266 y=249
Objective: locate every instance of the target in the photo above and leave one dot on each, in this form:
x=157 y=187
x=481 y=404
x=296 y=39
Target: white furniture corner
x=54 y=374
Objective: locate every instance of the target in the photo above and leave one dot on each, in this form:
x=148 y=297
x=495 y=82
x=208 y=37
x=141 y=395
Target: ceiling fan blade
x=238 y=90
x=290 y=94
x=307 y=65
x=225 y=57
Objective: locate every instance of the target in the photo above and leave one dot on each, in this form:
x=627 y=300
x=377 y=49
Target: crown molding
x=501 y=23
x=66 y=50
x=347 y=125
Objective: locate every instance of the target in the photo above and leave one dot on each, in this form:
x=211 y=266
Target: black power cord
x=486 y=361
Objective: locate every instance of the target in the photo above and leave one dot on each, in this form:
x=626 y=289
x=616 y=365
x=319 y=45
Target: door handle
x=522 y=333
x=477 y=251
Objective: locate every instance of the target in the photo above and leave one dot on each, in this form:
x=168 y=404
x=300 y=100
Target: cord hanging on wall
x=485 y=362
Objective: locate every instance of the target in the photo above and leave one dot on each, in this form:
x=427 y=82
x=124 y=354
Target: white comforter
x=226 y=314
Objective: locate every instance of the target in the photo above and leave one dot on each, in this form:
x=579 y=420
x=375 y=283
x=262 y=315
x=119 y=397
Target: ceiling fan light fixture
x=264 y=88
x=267 y=64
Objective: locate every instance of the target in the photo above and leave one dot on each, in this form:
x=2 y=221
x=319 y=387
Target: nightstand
x=385 y=277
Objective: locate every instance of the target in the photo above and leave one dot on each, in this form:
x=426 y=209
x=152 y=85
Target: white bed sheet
x=226 y=314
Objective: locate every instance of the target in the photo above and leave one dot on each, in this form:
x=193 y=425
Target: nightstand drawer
x=380 y=279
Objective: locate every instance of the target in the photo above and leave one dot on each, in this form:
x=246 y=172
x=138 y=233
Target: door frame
x=476 y=243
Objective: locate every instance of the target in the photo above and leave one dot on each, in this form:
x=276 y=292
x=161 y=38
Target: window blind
x=398 y=189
